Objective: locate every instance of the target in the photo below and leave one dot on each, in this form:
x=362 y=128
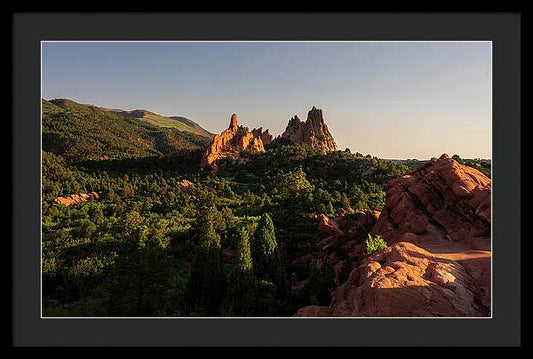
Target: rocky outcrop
x=328 y=227
x=266 y=137
x=442 y=200
x=184 y=184
x=313 y=132
x=231 y=142
x=236 y=139
x=101 y=158
x=437 y=222
x=335 y=243
x=77 y=198
x=405 y=280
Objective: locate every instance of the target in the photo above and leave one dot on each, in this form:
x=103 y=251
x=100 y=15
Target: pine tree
x=142 y=279
x=322 y=282
x=207 y=283
x=241 y=280
x=265 y=248
x=266 y=257
x=243 y=256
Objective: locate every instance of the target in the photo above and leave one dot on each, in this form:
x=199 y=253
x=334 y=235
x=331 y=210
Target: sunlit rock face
x=442 y=200
x=266 y=137
x=232 y=141
x=437 y=222
x=313 y=132
x=77 y=198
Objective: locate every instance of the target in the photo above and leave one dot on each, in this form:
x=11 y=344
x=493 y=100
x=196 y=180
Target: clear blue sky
x=391 y=100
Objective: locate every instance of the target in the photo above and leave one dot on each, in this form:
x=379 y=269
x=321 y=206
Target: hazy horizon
x=403 y=100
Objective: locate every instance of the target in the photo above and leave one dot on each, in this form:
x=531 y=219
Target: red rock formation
x=437 y=223
x=231 y=142
x=101 y=158
x=313 y=132
x=185 y=184
x=405 y=280
x=442 y=200
x=328 y=227
x=248 y=141
x=359 y=222
x=335 y=244
x=265 y=137
x=77 y=198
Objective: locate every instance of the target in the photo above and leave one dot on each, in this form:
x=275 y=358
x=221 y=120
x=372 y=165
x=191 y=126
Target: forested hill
x=180 y=123
x=79 y=131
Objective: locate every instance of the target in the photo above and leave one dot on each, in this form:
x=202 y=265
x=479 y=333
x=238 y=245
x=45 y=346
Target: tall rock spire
x=233 y=122
x=232 y=141
x=313 y=132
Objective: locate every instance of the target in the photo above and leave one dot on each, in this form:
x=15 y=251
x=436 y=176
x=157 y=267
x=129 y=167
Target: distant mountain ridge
x=178 y=122
x=82 y=131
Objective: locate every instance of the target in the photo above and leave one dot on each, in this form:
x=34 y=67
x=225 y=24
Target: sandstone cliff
x=313 y=132
x=232 y=141
x=437 y=222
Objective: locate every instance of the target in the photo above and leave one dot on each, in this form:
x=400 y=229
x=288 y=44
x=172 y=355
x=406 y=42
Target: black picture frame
x=503 y=29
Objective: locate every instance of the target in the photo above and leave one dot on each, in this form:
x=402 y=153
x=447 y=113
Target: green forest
x=167 y=238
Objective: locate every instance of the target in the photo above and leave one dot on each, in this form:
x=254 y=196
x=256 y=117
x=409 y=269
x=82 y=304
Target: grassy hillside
x=81 y=131
x=199 y=130
x=179 y=123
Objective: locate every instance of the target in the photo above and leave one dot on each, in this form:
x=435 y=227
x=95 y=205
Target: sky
x=395 y=100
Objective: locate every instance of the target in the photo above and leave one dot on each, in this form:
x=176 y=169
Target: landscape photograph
x=264 y=179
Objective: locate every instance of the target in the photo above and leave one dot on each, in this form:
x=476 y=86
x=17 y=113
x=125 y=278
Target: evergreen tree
x=142 y=282
x=207 y=283
x=267 y=260
x=205 y=225
x=241 y=280
x=322 y=282
x=265 y=249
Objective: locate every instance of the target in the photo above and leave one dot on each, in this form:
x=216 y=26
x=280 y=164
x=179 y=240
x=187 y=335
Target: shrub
x=374 y=244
